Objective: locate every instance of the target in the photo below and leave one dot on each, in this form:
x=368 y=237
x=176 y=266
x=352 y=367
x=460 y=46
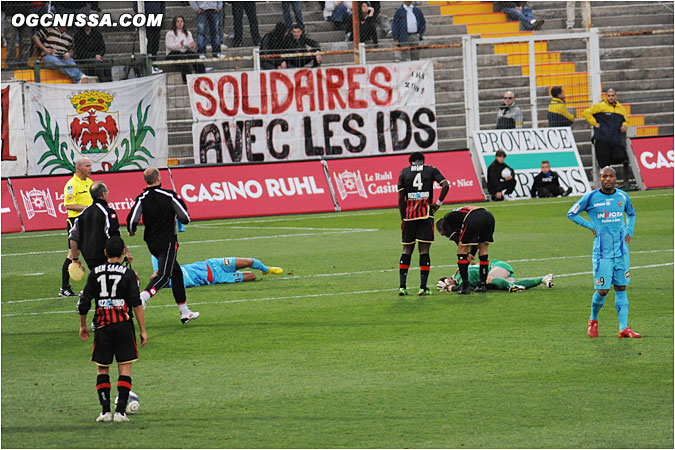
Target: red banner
x=365 y=183
x=40 y=199
x=253 y=190
x=656 y=159
x=10 y=218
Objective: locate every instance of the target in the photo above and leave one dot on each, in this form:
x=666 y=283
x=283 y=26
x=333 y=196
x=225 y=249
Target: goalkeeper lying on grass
x=500 y=276
x=220 y=271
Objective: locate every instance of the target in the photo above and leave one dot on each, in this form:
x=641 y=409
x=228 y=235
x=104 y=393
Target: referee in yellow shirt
x=76 y=197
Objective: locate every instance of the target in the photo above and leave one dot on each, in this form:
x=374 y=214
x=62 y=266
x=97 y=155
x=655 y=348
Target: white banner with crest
x=119 y=126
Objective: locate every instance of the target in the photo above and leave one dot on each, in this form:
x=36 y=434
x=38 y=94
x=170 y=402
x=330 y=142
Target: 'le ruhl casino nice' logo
x=94 y=130
x=37 y=201
x=350 y=183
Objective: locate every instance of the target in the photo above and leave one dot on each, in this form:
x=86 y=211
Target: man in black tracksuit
x=159 y=208
x=93 y=227
x=498 y=185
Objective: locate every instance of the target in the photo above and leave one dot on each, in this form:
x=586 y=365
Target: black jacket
x=494 y=176
x=302 y=45
x=93 y=227
x=87 y=46
x=159 y=208
x=551 y=183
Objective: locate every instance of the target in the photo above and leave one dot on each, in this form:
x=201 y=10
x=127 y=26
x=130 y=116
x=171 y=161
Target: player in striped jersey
x=115 y=290
x=415 y=203
x=471 y=227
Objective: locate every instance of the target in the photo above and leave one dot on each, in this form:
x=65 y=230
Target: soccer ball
x=506 y=173
x=132 y=404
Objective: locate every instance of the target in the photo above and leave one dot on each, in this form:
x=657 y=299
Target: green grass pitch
x=328 y=355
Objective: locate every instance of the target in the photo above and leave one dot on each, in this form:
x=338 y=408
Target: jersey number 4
x=104 y=285
x=417 y=181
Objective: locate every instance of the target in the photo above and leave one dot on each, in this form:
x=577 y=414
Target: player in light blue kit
x=606 y=208
x=220 y=271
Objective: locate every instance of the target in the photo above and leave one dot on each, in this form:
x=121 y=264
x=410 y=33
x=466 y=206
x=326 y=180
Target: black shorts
x=478 y=227
x=118 y=340
x=421 y=230
x=69 y=225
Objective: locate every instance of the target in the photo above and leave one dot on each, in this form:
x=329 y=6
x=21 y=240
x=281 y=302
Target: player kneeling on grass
x=115 y=289
x=220 y=271
x=500 y=276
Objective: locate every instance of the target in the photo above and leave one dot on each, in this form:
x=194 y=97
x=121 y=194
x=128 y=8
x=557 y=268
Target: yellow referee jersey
x=77 y=192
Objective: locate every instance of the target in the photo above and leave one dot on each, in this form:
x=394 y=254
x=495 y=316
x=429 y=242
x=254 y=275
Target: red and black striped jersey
x=115 y=290
x=453 y=221
x=417 y=185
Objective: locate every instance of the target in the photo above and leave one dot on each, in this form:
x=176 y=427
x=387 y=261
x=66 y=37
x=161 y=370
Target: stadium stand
x=638 y=66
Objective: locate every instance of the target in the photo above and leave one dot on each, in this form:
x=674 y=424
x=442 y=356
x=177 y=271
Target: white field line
x=209 y=241
x=333 y=215
x=263 y=299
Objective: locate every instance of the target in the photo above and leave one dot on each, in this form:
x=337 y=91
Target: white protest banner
x=294 y=115
x=14 y=162
x=527 y=148
x=118 y=126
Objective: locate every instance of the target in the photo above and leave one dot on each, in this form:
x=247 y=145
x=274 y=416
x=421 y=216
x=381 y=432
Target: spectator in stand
x=367 y=21
x=585 y=13
x=558 y=115
x=57 y=51
x=208 y=23
x=609 y=122
x=13 y=34
x=273 y=43
x=297 y=11
x=547 y=183
x=180 y=45
x=521 y=12
x=408 y=29
x=238 y=9
x=509 y=115
x=500 y=178
x=90 y=48
x=300 y=43
x=152 y=34
x=340 y=14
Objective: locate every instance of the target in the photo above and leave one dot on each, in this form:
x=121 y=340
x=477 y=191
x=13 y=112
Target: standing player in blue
x=606 y=208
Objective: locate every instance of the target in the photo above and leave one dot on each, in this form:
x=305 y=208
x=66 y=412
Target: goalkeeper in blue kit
x=606 y=208
x=220 y=271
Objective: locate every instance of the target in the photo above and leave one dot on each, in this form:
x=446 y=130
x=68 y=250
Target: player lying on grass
x=500 y=276
x=220 y=271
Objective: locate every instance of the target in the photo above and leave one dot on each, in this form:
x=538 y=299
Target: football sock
x=621 y=302
x=596 y=305
x=123 y=388
x=65 y=276
x=529 y=282
x=182 y=307
x=403 y=266
x=425 y=265
x=259 y=266
x=501 y=283
x=103 y=390
x=463 y=265
x=484 y=264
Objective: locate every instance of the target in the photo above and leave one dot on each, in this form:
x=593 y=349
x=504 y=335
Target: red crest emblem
x=94 y=130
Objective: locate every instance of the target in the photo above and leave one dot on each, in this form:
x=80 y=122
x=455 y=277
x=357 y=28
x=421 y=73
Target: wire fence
x=642 y=77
